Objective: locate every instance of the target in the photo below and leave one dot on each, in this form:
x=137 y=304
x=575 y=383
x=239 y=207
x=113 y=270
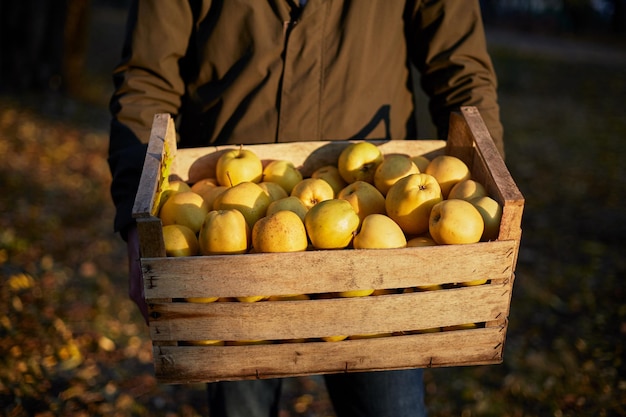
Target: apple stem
x=230 y=180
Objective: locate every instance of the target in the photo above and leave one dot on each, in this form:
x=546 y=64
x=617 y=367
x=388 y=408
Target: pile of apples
x=367 y=200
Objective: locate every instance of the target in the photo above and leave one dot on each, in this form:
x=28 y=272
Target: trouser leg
x=378 y=394
x=250 y=398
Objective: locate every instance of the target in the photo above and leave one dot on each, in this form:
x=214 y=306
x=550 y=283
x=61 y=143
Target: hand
x=135 y=277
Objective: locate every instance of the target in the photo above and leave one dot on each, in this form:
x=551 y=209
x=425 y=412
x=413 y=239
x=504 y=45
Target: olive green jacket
x=254 y=71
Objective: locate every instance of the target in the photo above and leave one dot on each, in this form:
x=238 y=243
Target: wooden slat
x=313 y=272
x=151 y=242
x=272 y=320
x=489 y=168
x=162 y=131
x=212 y=363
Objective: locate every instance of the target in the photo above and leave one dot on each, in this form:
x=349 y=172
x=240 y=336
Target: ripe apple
x=331 y=224
x=186 y=208
x=252 y=298
x=419 y=241
x=238 y=165
x=467 y=190
x=358 y=162
x=274 y=190
x=176 y=186
x=224 y=232
x=330 y=174
x=291 y=203
x=491 y=211
x=204 y=343
x=448 y=170
x=312 y=191
x=282 y=172
x=364 y=198
x=393 y=167
x=355 y=293
x=203 y=185
x=201 y=299
x=211 y=193
x=180 y=240
x=378 y=231
x=334 y=338
x=248 y=198
x=289 y=297
x=282 y=231
x=455 y=222
x=421 y=162
x=409 y=201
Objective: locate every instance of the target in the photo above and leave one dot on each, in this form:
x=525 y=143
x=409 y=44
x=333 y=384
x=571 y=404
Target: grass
x=71 y=343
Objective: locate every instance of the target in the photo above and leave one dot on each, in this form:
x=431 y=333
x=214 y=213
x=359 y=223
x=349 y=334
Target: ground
x=71 y=343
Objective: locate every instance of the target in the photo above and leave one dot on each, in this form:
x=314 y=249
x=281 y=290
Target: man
x=240 y=72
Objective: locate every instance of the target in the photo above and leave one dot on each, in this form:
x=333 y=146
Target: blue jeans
x=359 y=394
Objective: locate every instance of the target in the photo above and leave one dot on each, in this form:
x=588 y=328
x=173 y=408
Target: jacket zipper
x=288 y=26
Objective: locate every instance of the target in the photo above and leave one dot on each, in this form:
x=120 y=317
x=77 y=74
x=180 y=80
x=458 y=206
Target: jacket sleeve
x=450 y=52
x=147 y=81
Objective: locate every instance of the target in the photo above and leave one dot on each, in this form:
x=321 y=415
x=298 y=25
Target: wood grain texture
x=213 y=363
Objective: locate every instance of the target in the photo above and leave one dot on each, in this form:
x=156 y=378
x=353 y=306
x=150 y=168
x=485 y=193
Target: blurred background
x=71 y=343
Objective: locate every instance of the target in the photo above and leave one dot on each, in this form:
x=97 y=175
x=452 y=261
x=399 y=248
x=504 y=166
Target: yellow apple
x=393 y=167
x=168 y=189
x=204 y=343
x=421 y=162
x=274 y=190
x=248 y=198
x=409 y=201
x=467 y=190
x=239 y=165
x=330 y=174
x=203 y=185
x=364 y=198
x=419 y=241
x=378 y=231
x=289 y=297
x=291 y=203
x=474 y=282
x=358 y=162
x=491 y=211
x=201 y=300
x=334 y=338
x=455 y=222
x=312 y=191
x=177 y=186
x=186 y=208
x=448 y=170
x=224 y=232
x=355 y=293
x=252 y=298
x=282 y=231
x=179 y=240
x=282 y=172
x=331 y=224
x=211 y=193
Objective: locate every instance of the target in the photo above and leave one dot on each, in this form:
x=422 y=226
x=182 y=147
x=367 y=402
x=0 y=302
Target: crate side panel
x=313 y=272
x=162 y=132
x=213 y=363
x=278 y=320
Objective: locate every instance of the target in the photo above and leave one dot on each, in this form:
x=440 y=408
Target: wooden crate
x=407 y=317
